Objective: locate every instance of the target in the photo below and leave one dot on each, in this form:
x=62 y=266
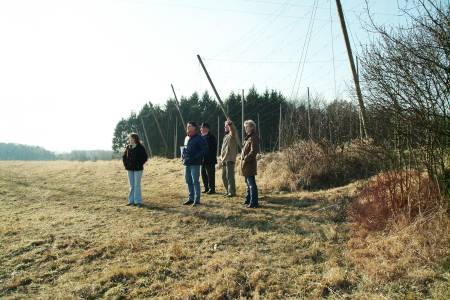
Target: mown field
x=65 y=232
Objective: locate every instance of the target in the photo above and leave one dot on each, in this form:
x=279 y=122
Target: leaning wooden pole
x=146 y=138
x=178 y=107
x=175 y=139
x=242 y=116
x=219 y=100
x=352 y=66
x=159 y=129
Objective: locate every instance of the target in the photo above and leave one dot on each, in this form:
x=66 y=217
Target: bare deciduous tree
x=406 y=74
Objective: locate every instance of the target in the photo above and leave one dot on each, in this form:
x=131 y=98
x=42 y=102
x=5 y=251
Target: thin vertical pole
x=259 y=133
x=332 y=51
x=178 y=106
x=160 y=131
x=360 y=125
x=176 y=139
x=279 y=132
x=146 y=138
x=309 y=117
x=242 y=113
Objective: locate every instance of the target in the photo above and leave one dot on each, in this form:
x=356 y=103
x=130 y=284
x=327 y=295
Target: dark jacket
x=248 y=155
x=134 y=159
x=194 y=151
x=211 y=156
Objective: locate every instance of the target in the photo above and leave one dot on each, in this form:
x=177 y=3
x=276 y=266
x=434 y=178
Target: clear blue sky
x=70 y=70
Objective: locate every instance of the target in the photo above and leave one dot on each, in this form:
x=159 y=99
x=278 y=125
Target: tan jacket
x=229 y=147
x=248 y=155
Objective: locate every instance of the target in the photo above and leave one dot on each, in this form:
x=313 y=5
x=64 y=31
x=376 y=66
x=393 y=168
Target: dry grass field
x=65 y=233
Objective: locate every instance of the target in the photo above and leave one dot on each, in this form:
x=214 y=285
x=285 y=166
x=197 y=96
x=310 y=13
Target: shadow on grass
x=291 y=202
x=267 y=218
x=274 y=215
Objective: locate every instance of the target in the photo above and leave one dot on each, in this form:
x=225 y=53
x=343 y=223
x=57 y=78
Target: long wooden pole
x=146 y=138
x=219 y=99
x=279 y=132
x=178 y=106
x=259 y=134
x=242 y=116
x=175 y=139
x=352 y=66
x=159 y=129
x=309 y=117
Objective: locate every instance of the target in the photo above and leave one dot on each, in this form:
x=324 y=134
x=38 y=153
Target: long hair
x=136 y=139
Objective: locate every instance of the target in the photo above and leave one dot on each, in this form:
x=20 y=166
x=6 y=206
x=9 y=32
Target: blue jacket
x=194 y=151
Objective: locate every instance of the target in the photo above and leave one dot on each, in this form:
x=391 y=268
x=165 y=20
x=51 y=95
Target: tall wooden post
x=242 y=117
x=178 y=106
x=175 y=139
x=360 y=125
x=309 y=117
x=146 y=138
x=259 y=134
x=352 y=66
x=279 y=132
x=160 y=131
x=218 y=98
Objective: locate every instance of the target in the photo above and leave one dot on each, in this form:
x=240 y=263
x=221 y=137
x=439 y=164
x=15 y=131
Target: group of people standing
x=199 y=156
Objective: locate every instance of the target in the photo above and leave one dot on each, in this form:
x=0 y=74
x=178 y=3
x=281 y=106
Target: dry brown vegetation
x=314 y=165
x=65 y=233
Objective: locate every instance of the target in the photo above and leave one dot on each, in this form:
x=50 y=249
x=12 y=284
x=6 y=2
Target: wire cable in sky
x=304 y=50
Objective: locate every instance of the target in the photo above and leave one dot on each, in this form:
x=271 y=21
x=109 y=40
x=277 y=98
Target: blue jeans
x=135 y=194
x=252 y=191
x=192 y=175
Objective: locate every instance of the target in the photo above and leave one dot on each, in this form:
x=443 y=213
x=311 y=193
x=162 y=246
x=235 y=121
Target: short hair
x=192 y=123
x=205 y=125
x=135 y=137
x=250 y=123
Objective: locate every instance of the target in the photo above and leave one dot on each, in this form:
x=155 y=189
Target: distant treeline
x=11 y=151
x=83 y=155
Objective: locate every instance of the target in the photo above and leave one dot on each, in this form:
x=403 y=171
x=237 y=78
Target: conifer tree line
x=336 y=121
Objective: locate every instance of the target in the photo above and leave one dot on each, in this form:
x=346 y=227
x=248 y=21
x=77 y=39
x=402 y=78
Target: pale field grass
x=65 y=233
